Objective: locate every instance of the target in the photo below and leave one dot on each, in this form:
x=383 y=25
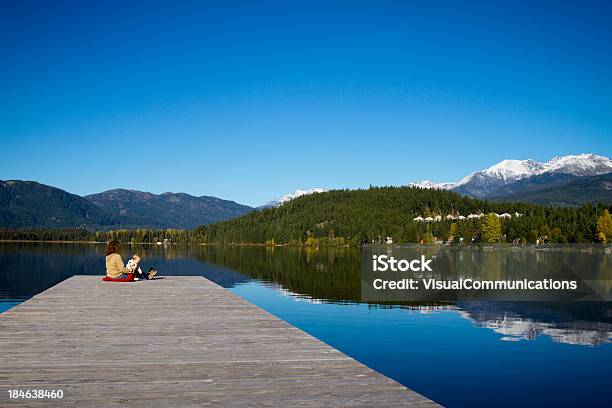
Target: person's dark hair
x=113 y=247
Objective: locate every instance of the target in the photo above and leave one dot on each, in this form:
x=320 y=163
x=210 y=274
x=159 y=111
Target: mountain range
x=134 y=209
x=554 y=182
x=25 y=204
x=562 y=181
x=28 y=204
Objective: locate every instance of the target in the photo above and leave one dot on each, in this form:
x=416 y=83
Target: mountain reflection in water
x=584 y=324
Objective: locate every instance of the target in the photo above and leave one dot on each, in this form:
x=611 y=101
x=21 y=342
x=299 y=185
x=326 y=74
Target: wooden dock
x=175 y=342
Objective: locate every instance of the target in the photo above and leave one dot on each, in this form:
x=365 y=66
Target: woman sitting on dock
x=115 y=268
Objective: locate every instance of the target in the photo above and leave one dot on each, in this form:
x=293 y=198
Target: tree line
x=354 y=217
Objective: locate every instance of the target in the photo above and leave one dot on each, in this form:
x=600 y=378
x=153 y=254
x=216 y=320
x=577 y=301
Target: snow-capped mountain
x=431 y=184
x=578 y=165
x=481 y=183
x=288 y=197
x=484 y=182
x=507 y=170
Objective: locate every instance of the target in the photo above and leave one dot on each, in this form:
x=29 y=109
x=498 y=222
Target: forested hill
x=353 y=216
x=27 y=204
x=137 y=209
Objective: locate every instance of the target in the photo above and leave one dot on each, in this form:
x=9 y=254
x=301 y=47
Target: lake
x=458 y=352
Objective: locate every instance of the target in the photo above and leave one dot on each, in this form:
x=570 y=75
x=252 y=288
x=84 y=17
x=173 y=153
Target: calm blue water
x=465 y=353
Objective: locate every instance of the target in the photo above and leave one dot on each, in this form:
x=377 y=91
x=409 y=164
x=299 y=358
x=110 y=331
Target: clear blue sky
x=250 y=100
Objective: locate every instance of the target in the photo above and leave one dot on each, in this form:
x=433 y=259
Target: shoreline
x=582 y=246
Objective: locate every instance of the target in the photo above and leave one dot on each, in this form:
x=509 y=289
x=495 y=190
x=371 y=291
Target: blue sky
x=250 y=100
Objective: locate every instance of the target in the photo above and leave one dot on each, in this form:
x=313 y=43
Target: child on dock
x=134 y=268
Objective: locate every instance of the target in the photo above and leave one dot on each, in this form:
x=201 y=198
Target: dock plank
x=179 y=341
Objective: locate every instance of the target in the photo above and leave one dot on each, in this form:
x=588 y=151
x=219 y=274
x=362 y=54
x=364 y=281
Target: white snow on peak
x=431 y=184
x=298 y=193
x=507 y=170
x=288 y=197
x=512 y=170
x=578 y=165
